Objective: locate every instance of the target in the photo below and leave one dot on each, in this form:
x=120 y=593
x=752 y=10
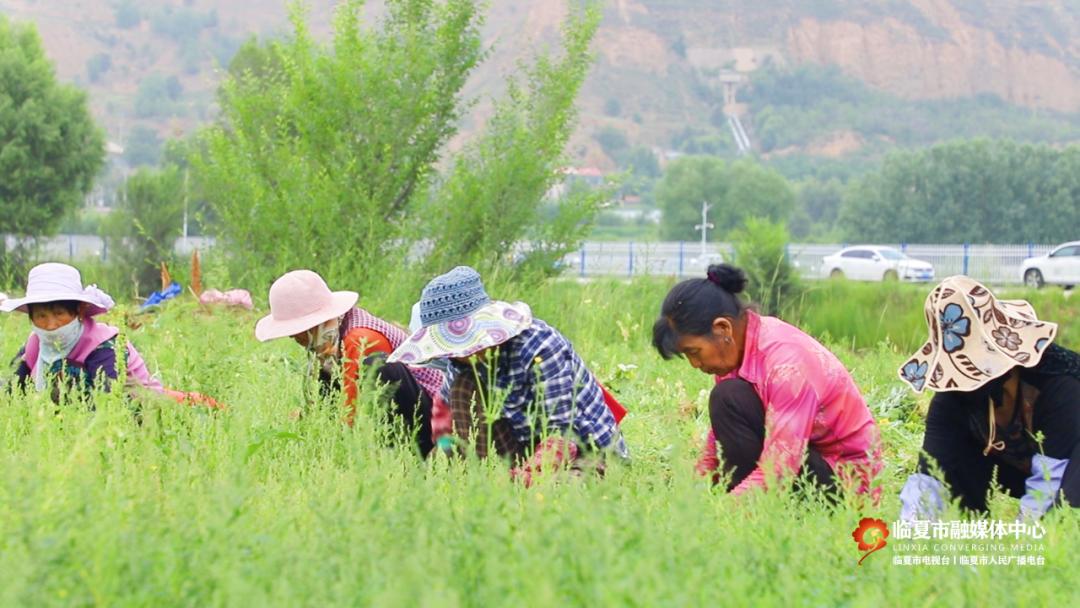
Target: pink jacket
x=94 y=335
x=810 y=399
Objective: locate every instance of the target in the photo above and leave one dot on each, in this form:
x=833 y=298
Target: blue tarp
x=168 y=293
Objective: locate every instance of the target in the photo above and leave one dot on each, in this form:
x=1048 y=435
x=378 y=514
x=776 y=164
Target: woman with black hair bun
x=782 y=402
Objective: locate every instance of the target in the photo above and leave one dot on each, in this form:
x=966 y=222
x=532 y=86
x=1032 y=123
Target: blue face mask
x=58 y=343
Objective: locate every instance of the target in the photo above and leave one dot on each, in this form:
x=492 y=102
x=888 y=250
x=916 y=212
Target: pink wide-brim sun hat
x=56 y=282
x=300 y=300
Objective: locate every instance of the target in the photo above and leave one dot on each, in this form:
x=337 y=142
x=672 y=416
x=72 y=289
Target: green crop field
x=251 y=507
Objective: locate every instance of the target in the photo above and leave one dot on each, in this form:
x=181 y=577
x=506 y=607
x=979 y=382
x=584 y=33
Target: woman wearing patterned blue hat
x=511 y=373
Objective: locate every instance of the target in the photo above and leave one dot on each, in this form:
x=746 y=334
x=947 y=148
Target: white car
x=1059 y=267
x=872 y=263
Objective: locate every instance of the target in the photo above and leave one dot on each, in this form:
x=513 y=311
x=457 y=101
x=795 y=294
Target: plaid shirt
x=539 y=366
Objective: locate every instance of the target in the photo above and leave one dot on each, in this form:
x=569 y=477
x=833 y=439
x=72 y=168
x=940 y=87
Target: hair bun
x=730 y=278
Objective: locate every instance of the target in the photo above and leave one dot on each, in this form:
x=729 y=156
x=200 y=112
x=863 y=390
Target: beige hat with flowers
x=974 y=338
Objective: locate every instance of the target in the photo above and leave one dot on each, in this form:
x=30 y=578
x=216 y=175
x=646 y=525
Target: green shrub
x=761 y=251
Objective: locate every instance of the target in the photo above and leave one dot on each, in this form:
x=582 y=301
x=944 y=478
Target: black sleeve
x=950 y=446
x=22 y=370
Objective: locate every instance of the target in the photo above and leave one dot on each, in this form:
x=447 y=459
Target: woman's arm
x=358 y=344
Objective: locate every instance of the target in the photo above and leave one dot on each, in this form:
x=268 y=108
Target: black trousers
x=408 y=402
x=957 y=451
x=738 y=421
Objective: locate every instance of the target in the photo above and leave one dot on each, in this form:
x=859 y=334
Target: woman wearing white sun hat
x=1000 y=381
x=340 y=334
x=67 y=348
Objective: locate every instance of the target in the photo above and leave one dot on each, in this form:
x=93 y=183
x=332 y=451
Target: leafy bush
x=143 y=228
x=761 y=251
x=492 y=203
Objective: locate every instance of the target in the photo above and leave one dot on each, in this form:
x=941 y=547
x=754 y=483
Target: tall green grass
x=864 y=315
x=250 y=507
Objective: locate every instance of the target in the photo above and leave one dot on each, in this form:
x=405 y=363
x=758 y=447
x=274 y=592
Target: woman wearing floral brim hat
x=67 y=348
x=552 y=408
x=340 y=334
x=999 y=381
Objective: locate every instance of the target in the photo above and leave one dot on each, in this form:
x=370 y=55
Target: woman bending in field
x=514 y=375
x=782 y=402
x=341 y=335
x=68 y=352
x=1007 y=398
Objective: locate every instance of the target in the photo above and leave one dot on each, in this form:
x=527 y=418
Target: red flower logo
x=870 y=535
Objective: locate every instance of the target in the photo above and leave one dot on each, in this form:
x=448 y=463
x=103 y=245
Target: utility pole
x=703 y=227
x=185 y=209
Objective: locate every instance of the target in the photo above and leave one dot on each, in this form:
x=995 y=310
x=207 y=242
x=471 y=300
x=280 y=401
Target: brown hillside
x=657 y=60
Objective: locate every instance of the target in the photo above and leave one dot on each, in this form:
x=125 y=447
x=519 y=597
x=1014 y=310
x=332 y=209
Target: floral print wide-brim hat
x=974 y=338
x=459 y=319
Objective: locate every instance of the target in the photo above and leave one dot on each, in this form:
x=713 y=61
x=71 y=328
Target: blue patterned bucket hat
x=459 y=319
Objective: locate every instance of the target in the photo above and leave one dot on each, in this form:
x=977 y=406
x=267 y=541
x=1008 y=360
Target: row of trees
x=967 y=191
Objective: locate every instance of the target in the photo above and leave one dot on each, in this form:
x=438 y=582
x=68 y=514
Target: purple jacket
x=98 y=363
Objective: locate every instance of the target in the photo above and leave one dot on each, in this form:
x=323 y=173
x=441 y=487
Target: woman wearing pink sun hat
x=340 y=334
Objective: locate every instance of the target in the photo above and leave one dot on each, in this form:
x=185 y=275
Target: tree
x=687 y=183
x=326 y=157
x=761 y=251
x=734 y=191
x=143 y=147
x=612 y=140
x=492 y=202
x=148 y=218
x=157 y=96
x=968 y=191
x=321 y=163
x=641 y=161
x=97 y=65
x=127 y=14
x=50 y=148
